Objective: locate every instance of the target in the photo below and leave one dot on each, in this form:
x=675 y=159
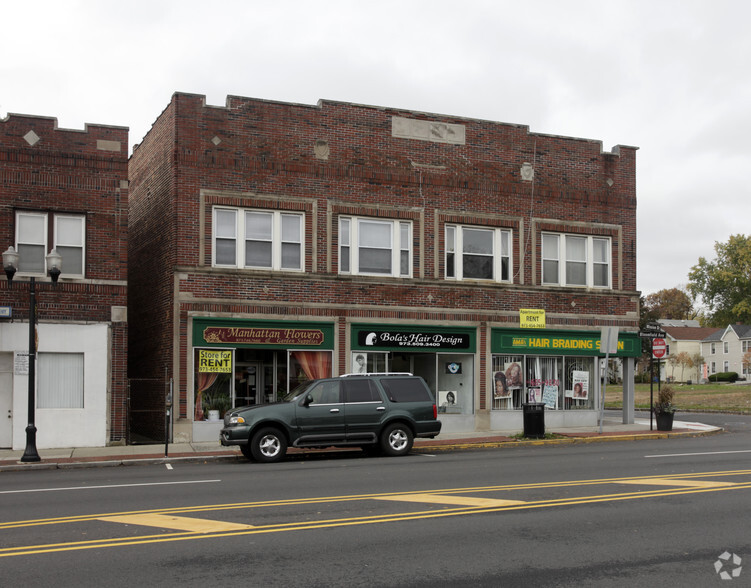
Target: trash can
x=534 y=420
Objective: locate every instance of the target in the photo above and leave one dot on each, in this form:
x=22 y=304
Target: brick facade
x=60 y=172
x=336 y=159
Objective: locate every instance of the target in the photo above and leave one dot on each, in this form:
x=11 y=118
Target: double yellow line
x=464 y=501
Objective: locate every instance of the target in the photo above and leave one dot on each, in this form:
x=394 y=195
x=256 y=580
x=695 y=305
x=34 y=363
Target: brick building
x=65 y=190
x=275 y=242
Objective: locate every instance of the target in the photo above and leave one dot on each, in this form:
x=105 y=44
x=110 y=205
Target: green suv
x=378 y=412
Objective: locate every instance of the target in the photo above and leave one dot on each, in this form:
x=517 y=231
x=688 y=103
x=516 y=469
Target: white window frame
x=350 y=244
x=558 y=254
x=713 y=367
x=454 y=246
x=712 y=349
x=61 y=246
x=22 y=241
x=725 y=366
x=34 y=265
x=240 y=238
x=725 y=347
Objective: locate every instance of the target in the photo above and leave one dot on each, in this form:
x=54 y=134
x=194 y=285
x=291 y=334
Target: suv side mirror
x=308 y=400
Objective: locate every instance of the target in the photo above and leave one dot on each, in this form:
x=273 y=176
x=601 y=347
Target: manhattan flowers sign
x=262 y=334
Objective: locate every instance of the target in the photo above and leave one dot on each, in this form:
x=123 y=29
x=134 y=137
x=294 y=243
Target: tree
x=671 y=303
x=725 y=284
x=746 y=362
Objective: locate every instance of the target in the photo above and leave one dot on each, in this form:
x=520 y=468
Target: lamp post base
x=30 y=454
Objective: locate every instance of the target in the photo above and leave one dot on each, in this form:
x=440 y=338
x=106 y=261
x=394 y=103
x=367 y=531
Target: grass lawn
x=697 y=397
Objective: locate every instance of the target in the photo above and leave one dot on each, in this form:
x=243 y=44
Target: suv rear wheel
x=268 y=445
x=397 y=439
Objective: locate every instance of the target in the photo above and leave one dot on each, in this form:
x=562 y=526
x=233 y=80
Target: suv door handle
x=381 y=408
x=334 y=410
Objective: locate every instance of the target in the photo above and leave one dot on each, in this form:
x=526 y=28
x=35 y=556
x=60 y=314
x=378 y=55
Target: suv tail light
x=435 y=411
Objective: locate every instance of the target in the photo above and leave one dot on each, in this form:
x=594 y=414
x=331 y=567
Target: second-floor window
x=712 y=348
x=575 y=260
x=725 y=347
x=375 y=247
x=34 y=240
x=258 y=239
x=475 y=253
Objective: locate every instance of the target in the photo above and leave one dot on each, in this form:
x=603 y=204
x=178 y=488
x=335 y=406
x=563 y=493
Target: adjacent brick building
x=67 y=190
x=274 y=242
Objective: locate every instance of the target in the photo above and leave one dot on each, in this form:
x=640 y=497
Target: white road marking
x=703 y=453
x=168 y=466
x=111 y=486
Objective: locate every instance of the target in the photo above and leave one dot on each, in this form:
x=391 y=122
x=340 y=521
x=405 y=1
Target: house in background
x=684 y=359
x=65 y=190
x=724 y=350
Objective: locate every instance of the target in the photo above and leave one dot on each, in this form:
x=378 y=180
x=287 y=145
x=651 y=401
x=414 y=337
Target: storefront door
x=249 y=386
x=455 y=383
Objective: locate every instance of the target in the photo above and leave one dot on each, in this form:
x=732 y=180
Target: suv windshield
x=296 y=391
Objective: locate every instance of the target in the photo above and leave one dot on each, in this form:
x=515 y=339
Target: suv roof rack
x=377 y=374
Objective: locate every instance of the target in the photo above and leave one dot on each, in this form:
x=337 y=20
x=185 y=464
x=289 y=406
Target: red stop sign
x=659 y=348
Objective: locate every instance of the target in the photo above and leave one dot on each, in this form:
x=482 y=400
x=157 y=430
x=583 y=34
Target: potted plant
x=215 y=405
x=664 y=409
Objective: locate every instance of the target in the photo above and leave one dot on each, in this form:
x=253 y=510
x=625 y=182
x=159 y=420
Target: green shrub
x=724 y=377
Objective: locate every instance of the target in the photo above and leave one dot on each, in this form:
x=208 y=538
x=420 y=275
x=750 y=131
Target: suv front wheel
x=268 y=445
x=397 y=439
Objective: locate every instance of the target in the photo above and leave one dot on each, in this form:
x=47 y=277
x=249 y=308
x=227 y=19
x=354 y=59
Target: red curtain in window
x=204 y=382
x=315 y=364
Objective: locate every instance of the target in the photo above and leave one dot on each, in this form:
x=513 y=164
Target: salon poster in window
x=500 y=387
x=513 y=373
x=550 y=396
x=580 y=386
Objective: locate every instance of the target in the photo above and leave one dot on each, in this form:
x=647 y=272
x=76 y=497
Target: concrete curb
x=420 y=446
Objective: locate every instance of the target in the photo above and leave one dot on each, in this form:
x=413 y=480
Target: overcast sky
x=670 y=77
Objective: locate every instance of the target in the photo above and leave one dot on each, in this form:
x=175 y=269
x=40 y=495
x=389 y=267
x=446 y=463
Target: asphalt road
x=602 y=514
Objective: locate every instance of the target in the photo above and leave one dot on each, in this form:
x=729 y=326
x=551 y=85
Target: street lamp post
x=10 y=265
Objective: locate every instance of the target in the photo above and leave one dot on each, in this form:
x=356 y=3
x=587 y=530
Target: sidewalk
x=612 y=430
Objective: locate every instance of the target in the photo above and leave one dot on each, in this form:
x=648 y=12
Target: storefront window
x=213 y=381
x=561 y=383
x=308 y=365
x=368 y=363
x=580 y=383
x=544 y=381
x=508 y=385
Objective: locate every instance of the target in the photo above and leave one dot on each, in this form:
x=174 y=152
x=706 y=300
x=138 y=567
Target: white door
x=6 y=399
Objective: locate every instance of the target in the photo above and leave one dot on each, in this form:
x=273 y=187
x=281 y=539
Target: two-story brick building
x=274 y=242
x=65 y=190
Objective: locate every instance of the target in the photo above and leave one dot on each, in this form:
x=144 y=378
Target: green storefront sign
x=550 y=342
x=214 y=332
x=375 y=337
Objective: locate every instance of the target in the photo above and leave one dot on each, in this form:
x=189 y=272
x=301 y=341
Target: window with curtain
x=69 y=241
x=258 y=239
x=60 y=380
x=33 y=243
x=476 y=253
x=375 y=247
x=576 y=260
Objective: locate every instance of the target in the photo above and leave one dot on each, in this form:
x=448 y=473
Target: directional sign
x=659 y=348
x=652 y=334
